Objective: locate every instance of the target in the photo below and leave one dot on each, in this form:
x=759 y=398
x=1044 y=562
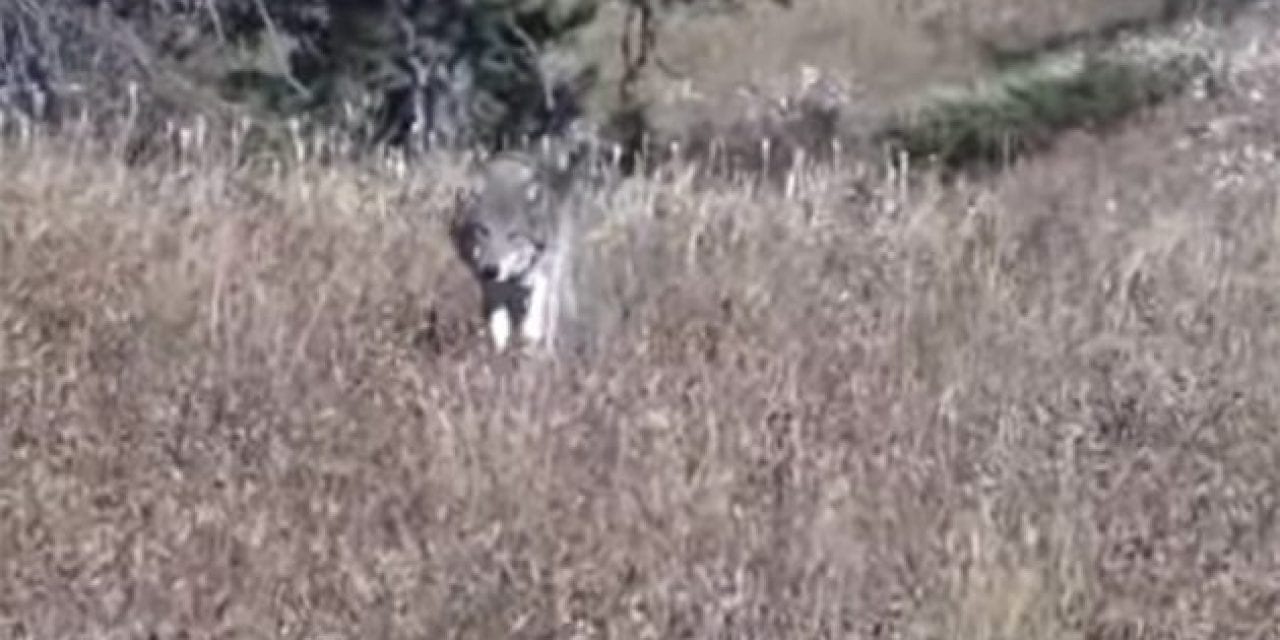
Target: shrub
x=1023 y=109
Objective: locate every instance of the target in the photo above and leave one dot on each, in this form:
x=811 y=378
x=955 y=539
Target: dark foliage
x=455 y=72
x=401 y=72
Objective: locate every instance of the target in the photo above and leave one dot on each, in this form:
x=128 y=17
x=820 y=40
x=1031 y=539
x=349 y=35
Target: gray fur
x=513 y=231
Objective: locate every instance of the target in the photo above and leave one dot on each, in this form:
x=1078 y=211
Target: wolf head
x=502 y=226
x=495 y=252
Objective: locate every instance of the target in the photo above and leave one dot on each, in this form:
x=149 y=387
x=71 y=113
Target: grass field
x=254 y=401
x=882 y=53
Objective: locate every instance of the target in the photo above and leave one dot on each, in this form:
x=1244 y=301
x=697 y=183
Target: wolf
x=513 y=230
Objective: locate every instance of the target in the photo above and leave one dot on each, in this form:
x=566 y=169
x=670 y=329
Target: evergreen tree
x=455 y=72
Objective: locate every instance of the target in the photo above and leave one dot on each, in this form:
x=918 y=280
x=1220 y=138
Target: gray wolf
x=513 y=230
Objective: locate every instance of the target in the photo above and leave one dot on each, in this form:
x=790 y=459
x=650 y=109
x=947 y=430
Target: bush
x=1025 y=108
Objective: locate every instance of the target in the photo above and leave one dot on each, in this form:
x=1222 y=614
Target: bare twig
x=217 y=21
x=638 y=25
x=281 y=57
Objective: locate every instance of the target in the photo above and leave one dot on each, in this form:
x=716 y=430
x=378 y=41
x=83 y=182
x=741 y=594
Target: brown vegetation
x=883 y=52
x=253 y=402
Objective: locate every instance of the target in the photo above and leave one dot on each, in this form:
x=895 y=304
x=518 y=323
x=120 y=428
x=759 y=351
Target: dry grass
x=857 y=72
x=245 y=402
x=884 y=52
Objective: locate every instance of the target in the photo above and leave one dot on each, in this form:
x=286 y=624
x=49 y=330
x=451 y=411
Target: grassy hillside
x=882 y=53
x=252 y=401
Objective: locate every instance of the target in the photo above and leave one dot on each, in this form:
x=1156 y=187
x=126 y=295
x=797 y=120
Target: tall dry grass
x=252 y=402
x=883 y=53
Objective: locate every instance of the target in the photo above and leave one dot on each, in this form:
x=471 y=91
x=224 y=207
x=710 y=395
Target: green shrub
x=1024 y=108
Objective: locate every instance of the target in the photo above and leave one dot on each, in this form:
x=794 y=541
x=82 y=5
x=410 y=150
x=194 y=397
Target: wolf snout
x=490 y=273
